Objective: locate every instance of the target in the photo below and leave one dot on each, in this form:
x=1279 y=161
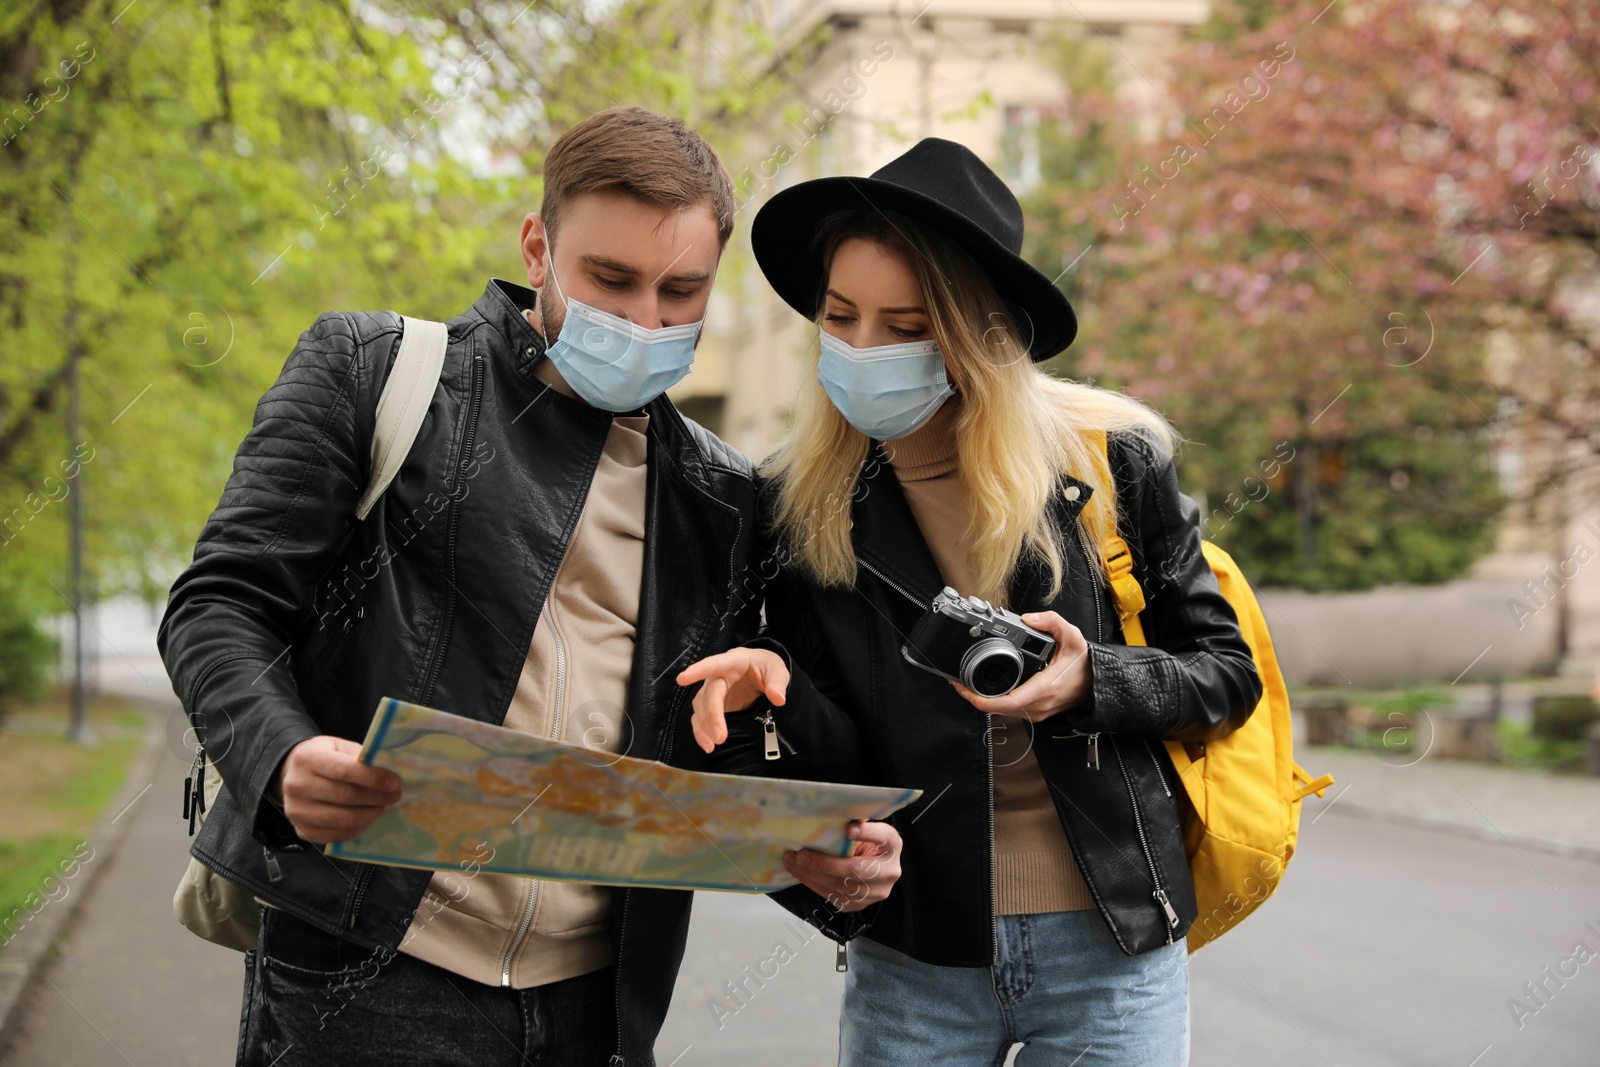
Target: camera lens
x=992 y=667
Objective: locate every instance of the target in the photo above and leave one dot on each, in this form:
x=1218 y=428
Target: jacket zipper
x=890 y=582
x=561 y=674
x=994 y=878
x=1164 y=787
x=771 y=738
x=1092 y=746
x=1160 y=893
x=522 y=933
x=617 y=1059
x=1094 y=580
x=362 y=881
x=526 y=924
x=450 y=541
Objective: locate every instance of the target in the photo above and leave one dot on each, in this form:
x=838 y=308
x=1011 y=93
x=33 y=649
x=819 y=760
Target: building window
x=1020 y=148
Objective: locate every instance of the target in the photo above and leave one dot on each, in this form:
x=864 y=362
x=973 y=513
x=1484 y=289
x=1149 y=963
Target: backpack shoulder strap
x=1125 y=588
x=404 y=402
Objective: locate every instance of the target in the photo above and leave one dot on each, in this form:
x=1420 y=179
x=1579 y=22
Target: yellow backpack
x=1242 y=792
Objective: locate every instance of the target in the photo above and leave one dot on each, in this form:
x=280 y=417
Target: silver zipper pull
x=1094 y=752
x=1166 y=905
x=1160 y=775
x=274 y=872
x=769 y=734
x=841 y=959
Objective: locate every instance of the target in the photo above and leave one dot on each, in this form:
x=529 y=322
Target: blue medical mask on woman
x=885 y=392
x=616 y=365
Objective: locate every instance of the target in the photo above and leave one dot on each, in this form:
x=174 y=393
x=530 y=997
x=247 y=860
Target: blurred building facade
x=889 y=73
x=984 y=73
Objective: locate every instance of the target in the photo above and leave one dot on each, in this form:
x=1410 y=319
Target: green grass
x=1405 y=698
x=1411 y=701
x=1519 y=747
x=51 y=794
x=35 y=874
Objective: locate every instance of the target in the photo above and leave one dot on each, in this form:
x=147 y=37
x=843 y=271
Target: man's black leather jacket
x=1110 y=777
x=294 y=618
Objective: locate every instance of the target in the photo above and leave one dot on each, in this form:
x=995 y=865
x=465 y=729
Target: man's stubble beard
x=551 y=330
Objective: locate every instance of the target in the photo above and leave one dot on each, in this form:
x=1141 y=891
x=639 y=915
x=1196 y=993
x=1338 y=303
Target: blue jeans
x=312 y=999
x=1062 y=986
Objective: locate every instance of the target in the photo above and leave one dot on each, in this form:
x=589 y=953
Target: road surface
x=1387 y=946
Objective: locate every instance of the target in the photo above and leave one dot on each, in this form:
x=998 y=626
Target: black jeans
x=313 y=999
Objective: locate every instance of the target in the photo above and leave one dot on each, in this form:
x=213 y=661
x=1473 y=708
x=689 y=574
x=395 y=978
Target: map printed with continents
x=550 y=810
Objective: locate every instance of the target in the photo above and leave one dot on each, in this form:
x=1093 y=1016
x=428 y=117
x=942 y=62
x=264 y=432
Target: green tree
x=184 y=187
x=1281 y=270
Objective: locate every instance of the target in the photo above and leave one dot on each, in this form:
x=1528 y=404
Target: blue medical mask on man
x=616 y=365
x=885 y=392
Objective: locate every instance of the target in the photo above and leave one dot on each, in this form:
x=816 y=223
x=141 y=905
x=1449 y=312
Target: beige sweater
x=521 y=932
x=1034 y=868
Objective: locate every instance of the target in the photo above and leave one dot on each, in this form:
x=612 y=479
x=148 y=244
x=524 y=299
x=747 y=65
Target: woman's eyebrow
x=885 y=311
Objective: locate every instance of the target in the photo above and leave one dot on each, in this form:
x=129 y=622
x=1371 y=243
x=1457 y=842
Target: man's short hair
x=657 y=159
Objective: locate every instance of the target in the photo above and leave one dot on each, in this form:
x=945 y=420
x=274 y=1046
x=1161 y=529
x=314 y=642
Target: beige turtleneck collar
x=929 y=451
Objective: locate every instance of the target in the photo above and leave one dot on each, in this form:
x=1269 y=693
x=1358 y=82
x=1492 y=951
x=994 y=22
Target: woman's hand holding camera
x=1062 y=684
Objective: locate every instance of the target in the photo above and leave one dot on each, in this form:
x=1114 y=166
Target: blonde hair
x=1018 y=431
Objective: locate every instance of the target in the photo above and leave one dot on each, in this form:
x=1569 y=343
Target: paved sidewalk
x=127 y=984
x=1525 y=808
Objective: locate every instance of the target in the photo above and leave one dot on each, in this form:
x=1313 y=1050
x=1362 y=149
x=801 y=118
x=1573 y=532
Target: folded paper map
x=550 y=810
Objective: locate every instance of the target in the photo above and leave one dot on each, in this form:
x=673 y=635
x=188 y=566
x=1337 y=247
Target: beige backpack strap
x=404 y=402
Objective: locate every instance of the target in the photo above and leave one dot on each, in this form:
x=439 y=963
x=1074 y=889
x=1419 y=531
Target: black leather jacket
x=1110 y=777
x=433 y=599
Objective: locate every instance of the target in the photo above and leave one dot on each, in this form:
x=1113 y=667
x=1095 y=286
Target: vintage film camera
x=987 y=649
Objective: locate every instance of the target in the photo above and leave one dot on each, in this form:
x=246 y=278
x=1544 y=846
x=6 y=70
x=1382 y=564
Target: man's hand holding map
x=550 y=810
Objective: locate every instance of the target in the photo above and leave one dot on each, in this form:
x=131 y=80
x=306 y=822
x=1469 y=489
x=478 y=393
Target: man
x=558 y=545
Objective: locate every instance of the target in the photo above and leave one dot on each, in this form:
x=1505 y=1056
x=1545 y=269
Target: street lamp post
x=80 y=721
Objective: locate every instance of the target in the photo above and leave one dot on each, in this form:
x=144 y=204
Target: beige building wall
x=1549 y=543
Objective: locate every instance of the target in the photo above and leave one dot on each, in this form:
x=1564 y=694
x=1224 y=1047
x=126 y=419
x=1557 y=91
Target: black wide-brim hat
x=942 y=185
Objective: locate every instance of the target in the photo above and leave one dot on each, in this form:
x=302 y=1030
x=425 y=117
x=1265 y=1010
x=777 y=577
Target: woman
x=1045 y=890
